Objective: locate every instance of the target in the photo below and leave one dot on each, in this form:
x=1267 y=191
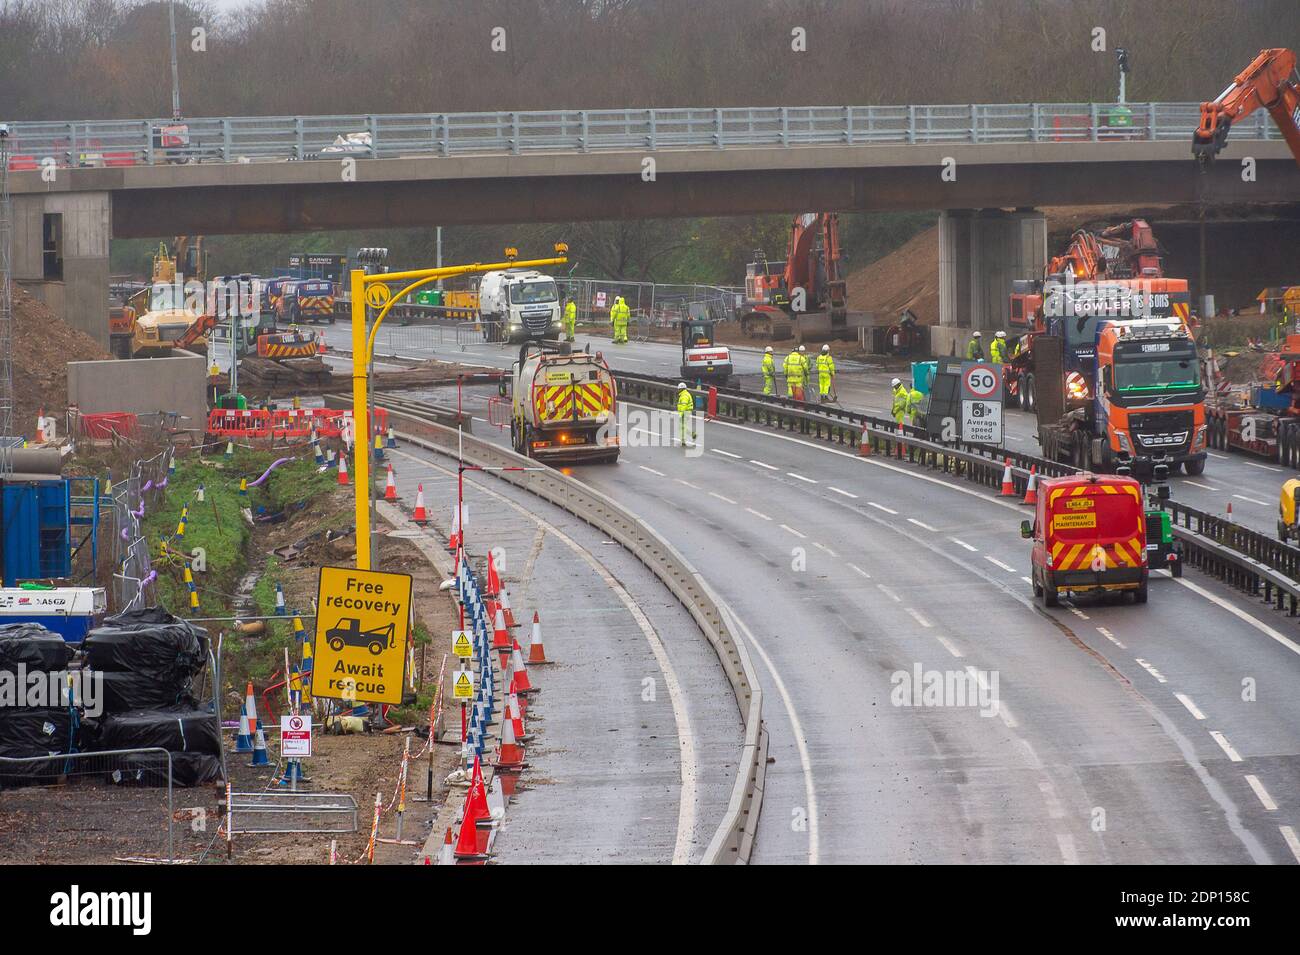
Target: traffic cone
x=420 y=515
x=379 y=447
x=512 y=692
x=331 y=461
x=390 y=487
x=511 y=755
x=493 y=581
x=279 y=601
x=260 y=757
x=244 y=741
x=250 y=708
x=40 y=427
x=864 y=445
x=1008 y=486
x=230 y=450
x=194 y=600
x=446 y=855
x=392 y=439
x=453 y=542
x=243 y=488
x=505 y=608
x=315 y=444
x=321 y=347
x=515 y=714
x=536 y=651
x=523 y=685
x=1031 y=489
x=343 y=470
x=501 y=636
x=471 y=845
x=306 y=670
x=299 y=631
x=201 y=494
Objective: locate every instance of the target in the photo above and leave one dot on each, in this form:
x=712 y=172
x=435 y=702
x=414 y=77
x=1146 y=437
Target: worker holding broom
x=685 y=409
x=793 y=368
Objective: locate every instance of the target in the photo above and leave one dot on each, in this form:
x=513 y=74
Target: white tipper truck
x=517 y=305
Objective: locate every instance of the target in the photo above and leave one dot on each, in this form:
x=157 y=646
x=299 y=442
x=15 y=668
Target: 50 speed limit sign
x=981 y=381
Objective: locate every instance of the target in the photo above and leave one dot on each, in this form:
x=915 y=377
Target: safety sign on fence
x=362 y=626
x=295 y=736
x=462 y=685
x=461 y=645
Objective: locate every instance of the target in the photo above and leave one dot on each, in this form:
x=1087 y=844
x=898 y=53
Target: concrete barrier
x=142 y=386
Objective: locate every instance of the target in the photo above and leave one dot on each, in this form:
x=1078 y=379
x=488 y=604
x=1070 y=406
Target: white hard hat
x=1001 y=334
x=826 y=348
x=681 y=384
x=895 y=383
x=801 y=348
x=977 y=335
x=768 y=349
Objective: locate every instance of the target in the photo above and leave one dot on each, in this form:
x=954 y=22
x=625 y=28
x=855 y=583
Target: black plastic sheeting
x=37 y=731
x=33 y=646
x=179 y=730
x=124 y=692
x=148 y=642
x=150 y=769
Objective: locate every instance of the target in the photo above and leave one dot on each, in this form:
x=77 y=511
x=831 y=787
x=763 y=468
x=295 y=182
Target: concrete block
x=142 y=386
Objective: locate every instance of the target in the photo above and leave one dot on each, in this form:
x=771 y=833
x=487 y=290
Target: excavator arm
x=1269 y=82
x=1084 y=258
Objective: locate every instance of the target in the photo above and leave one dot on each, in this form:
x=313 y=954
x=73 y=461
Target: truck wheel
x=1050 y=597
x=1140 y=595
x=1194 y=466
x=1028 y=389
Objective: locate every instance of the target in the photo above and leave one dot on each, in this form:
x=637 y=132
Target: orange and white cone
x=864 y=445
x=343 y=470
x=321 y=347
x=515 y=716
x=1008 y=486
x=453 y=542
x=493 y=579
x=390 y=487
x=501 y=636
x=511 y=755
x=536 y=650
x=472 y=843
x=420 y=516
x=521 y=703
x=505 y=608
x=447 y=854
x=519 y=671
x=1031 y=489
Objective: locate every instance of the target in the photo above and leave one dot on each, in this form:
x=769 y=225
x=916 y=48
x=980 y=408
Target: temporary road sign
x=461 y=645
x=295 y=736
x=980 y=381
x=362 y=627
x=462 y=685
x=981 y=422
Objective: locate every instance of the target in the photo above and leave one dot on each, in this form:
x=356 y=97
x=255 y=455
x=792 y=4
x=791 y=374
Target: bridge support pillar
x=60 y=255
x=980 y=253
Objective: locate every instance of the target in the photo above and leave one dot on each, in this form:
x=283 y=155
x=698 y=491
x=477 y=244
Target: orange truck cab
x=1089 y=533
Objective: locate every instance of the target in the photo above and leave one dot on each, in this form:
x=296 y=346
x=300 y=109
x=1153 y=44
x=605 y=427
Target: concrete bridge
x=76 y=185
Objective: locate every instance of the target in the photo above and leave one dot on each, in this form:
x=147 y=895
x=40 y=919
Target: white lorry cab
x=516 y=305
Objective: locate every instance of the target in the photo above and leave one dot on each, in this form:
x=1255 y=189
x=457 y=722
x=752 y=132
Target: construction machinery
x=703 y=358
x=562 y=405
x=1269 y=82
x=805 y=296
x=1257 y=418
x=163 y=314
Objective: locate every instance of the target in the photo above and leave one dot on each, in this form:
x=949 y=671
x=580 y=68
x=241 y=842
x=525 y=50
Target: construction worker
x=793 y=368
x=686 y=408
x=570 y=319
x=914 y=401
x=998 y=349
x=975 y=349
x=769 y=371
x=619 y=314
x=807 y=365
x=825 y=373
x=898 y=408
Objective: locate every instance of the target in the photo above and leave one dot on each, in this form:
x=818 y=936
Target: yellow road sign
x=462 y=685
x=377 y=295
x=362 y=627
x=461 y=646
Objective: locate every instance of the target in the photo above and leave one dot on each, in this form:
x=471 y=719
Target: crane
x=1269 y=82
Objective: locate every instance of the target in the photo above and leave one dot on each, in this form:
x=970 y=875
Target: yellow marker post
x=374 y=290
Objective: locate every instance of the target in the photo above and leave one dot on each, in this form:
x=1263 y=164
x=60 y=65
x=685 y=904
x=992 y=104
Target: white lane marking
x=1242 y=615
x=787 y=527
x=1152 y=670
x=1221 y=457
x=681 y=714
x=651 y=470
x=1068 y=853
x=725 y=453
x=1028 y=580
x=889 y=593
x=859 y=570
x=825 y=548
x=721 y=497
x=948 y=645
x=800 y=477
x=1111 y=637
x=1079 y=613
x=1265 y=799
x=1262 y=467
x=1224 y=745
x=922 y=524
x=762 y=465
x=881 y=507
x=1252 y=500
x=1292 y=842
x=1199 y=484
x=1048 y=789
x=1186 y=700
x=997 y=563
x=916 y=615
x=962 y=543
x=838 y=491
x=688 y=484
x=800 y=739
x=758 y=514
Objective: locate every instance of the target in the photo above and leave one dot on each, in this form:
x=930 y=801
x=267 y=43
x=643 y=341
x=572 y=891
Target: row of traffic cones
x=1009 y=487
x=251 y=738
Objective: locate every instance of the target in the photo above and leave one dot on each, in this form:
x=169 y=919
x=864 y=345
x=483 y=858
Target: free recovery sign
x=362 y=626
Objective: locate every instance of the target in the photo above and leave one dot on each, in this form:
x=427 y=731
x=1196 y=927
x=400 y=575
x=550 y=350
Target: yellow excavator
x=162 y=317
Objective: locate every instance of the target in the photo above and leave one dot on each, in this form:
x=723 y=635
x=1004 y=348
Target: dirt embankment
x=43 y=345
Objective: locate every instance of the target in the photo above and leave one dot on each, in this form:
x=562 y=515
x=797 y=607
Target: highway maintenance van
x=1089 y=533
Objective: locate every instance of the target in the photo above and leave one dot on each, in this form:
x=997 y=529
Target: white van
x=519 y=304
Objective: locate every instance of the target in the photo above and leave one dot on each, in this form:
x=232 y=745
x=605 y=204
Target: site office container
x=1089 y=534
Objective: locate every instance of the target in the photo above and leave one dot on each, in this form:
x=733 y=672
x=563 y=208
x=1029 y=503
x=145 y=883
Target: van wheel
x=1140 y=595
x=1050 y=597
x=1194 y=466
x=1038 y=588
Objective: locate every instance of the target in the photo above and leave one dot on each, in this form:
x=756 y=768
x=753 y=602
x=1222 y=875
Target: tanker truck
x=562 y=406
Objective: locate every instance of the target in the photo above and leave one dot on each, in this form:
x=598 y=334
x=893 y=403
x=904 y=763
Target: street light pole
x=176 y=81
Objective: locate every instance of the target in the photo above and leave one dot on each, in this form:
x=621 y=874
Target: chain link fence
x=657 y=308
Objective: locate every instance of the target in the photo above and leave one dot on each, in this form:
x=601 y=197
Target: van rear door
x=1096 y=527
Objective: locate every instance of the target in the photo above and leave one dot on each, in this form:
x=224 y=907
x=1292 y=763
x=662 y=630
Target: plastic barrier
x=107 y=424
x=288 y=422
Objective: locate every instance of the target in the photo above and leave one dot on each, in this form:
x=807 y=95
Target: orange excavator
x=1269 y=82
x=804 y=296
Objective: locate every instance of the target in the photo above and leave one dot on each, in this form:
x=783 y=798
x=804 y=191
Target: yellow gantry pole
x=363 y=348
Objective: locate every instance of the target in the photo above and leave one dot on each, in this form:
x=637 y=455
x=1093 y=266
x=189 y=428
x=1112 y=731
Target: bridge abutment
x=60 y=255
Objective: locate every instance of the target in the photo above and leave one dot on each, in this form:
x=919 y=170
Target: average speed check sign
x=981 y=403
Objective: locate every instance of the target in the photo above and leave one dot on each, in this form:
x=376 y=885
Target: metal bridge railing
x=129 y=142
